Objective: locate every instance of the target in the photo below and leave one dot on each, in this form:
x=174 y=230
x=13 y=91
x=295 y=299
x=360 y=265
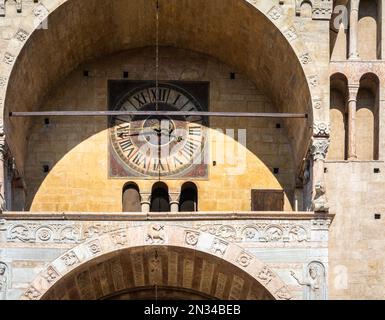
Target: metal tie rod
x=156 y=113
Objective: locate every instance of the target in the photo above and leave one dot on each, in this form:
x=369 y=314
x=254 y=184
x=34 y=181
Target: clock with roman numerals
x=147 y=146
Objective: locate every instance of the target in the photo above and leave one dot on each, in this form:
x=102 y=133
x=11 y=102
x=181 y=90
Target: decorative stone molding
x=319 y=149
x=321 y=129
x=173 y=237
x=273 y=232
x=321 y=9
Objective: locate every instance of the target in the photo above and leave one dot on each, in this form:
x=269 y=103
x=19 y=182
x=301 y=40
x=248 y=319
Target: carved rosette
x=192 y=237
x=319 y=149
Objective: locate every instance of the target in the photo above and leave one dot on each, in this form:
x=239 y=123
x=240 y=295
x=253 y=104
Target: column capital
x=174 y=197
x=319 y=148
x=145 y=198
x=354 y=5
x=353 y=92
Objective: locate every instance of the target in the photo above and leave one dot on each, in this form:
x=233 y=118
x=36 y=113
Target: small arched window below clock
x=160 y=200
x=188 y=198
x=131 y=201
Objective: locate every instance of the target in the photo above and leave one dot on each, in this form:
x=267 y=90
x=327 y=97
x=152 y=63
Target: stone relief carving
x=219 y=247
x=94 y=247
x=266 y=275
x=155 y=234
x=40 y=11
x=320 y=202
x=21 y=35
x=314 y=281
x=51 y=275
x=306 y=58
x=266 y=232
x=32 y=232
x=4 y=278
x=275 y=13
x=244 y=259
x=321 y=129
x=291 y=34
x=191 y=238
x=284 y=294
x=119 y=238
x=70 y=259
x=32 y=293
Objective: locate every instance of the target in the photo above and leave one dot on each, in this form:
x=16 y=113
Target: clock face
x=153 y=146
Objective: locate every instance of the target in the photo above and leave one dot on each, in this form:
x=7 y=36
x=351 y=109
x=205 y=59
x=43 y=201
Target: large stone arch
x=253 y=278
x=264 y=37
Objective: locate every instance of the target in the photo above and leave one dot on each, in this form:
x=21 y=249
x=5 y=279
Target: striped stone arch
x=280 y=13
x=247 y=276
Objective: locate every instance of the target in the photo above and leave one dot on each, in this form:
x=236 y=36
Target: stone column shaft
x=145 y=202
x=318 y=151
x=353 y=30
x=3 y=157
x=174 y=201
x=352 y=111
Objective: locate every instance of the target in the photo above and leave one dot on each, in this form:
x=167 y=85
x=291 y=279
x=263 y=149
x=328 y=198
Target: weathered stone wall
x=356 y=248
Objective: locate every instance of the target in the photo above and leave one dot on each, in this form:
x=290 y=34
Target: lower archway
x=157 y=273
x=156 y=261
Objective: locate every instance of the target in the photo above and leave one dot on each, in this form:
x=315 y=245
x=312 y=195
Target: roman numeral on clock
x=189 y=149
x=163 y=95
x=123 y=130
x=195 y=131
x=140 y=160
x=141 y=99
x=127 y=146
x=158 y=165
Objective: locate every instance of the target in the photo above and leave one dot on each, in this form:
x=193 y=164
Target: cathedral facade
x=192 y=149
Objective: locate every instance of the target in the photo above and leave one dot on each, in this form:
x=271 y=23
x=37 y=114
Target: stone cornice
x=162 y=216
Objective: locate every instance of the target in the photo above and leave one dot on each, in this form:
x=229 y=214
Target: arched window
x=367 y=118
x=338 y=117
x=369 y=43
x=188 y=198
x=306 y=9
x=131 y=198
x=160 y=200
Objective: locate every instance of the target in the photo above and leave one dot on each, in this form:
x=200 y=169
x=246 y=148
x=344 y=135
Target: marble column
x=3 y=158
x=352 y=111
x=145 y=202
x=318 y=151
x=353 y=30
x=174 y=201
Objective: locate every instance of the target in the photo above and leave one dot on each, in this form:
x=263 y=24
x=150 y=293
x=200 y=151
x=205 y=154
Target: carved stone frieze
x=258 y=231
